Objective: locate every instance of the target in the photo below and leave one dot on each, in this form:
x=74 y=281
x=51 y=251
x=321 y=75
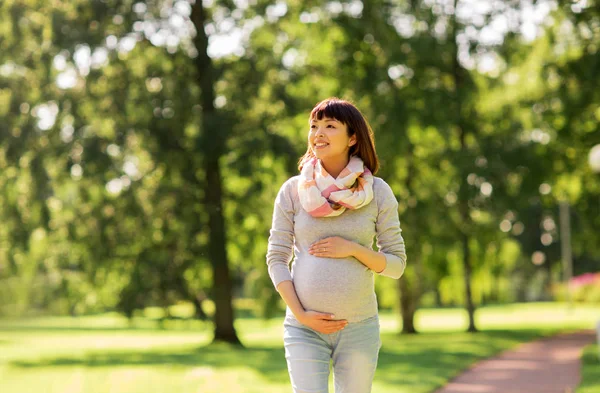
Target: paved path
x=549 y=365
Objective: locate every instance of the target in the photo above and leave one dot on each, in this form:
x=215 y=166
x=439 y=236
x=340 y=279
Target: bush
x=584 y=288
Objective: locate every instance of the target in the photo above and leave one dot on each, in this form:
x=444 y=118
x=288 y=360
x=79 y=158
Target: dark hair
x=346 y=113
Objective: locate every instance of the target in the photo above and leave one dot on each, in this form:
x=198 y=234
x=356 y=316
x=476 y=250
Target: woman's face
x=328 y=138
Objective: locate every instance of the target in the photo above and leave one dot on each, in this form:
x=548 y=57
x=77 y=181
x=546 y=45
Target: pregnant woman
x=326 y=218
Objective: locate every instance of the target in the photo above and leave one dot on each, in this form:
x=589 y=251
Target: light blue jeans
x=353 y=350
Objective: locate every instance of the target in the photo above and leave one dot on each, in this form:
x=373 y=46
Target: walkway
x=550 y=365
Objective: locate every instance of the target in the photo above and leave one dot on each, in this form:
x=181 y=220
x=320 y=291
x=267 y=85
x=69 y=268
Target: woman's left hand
x=332 y=247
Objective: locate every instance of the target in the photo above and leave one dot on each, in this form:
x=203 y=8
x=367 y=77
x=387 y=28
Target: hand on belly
x=332 y=247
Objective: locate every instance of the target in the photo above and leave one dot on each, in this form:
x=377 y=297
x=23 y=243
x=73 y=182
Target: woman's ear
x=352 y=141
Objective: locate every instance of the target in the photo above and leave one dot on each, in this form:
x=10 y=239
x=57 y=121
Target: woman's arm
x=388 y=232
x=288 y=294
x=374 y=260
x=281 y=239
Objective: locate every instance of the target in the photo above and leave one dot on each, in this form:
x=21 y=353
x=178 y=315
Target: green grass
x=590 y=373
x=104 y=354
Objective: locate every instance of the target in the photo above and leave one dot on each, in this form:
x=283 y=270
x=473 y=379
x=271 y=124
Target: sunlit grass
x=590 y=373
x=105 y=354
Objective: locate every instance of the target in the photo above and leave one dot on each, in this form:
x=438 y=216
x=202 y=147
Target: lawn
x=104 y=354
x=590 y=374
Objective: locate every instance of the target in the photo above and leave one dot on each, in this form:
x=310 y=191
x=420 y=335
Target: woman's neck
x=335 y=167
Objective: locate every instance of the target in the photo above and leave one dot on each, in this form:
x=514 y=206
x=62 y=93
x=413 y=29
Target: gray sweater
x=341 y=286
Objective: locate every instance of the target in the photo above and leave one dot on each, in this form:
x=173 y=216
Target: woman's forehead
x=323 y=119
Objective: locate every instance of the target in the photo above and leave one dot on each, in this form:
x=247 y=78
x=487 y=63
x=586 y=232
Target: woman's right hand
x=321 y=322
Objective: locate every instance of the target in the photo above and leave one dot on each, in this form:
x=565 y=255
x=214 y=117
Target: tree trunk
x=463 y=198
x=467 y=277
x=438 y=297
x=199 y=313
x=212 y=145
x=195 y=297
x=410 y=291
x=407 y=307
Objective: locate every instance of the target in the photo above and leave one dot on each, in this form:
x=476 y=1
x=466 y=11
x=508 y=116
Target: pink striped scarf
x=323 y=196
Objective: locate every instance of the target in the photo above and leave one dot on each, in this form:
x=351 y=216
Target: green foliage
x=101 y=202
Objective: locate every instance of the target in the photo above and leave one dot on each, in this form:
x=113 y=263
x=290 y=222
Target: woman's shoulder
x=380 y=186
x=290 y=187
x=382 y=191
x=292 y=182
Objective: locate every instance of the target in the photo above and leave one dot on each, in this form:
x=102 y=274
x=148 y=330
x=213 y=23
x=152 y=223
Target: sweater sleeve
x=281 y=239
x=388 y=233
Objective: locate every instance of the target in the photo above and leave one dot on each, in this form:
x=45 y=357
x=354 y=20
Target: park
x=143 y=145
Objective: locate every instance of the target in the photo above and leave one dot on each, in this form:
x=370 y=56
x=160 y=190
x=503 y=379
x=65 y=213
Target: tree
x=212 y=144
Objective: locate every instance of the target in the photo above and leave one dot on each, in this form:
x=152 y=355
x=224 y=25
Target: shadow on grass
x=431 y=359
x=32 y=329
x=268 y=361
x=146 y=326
x=404 y=360
x=62 y=329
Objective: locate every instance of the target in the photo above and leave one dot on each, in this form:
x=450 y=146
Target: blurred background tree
x=143 y=144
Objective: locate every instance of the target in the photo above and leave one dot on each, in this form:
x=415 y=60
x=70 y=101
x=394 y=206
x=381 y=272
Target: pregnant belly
x=339 y=286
